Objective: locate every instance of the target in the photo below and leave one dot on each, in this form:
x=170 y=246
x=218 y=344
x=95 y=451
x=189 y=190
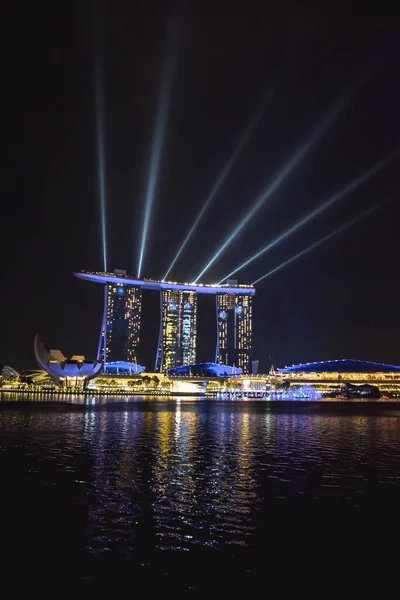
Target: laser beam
x=283 y=173
x=162 y=109
x=100 y=134
x=320 y=241
x=225 y=172
x=317 y=211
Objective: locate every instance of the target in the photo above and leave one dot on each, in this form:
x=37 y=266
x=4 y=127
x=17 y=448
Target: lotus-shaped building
x=75 y=371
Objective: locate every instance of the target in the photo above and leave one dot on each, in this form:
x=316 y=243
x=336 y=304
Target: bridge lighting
x=283 y=173
x=225 y=171
x=317 y=211
x=162 y=109
x=319 y=242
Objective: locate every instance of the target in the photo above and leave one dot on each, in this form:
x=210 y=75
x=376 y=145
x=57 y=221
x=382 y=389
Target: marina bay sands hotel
x=120 y=330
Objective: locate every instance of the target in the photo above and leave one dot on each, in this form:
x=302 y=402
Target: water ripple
x=179 y=479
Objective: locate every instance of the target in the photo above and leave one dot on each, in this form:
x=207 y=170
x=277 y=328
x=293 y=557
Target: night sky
x=340 y=300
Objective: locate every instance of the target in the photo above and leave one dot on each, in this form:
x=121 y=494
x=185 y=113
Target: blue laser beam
x=100 y=134
x=316 y=212
x=225 y=172
x=282 y=174
x=162 y=109
x=320 y=241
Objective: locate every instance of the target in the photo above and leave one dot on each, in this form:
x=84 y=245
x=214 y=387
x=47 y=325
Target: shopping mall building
x=330 y=376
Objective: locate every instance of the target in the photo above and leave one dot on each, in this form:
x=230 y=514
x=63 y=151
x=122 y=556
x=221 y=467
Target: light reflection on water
x=179 y=475
x=93 y=399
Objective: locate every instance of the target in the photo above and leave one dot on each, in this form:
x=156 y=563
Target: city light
x=225 y=172
x=314 y=213
x=178 y=329
x=100 y=133
x=234 y=330
x=154 y=284
x=283 y=173
x=162 y=109
x=319 y=242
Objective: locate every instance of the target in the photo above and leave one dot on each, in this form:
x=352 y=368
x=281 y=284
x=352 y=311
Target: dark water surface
x=198 y=496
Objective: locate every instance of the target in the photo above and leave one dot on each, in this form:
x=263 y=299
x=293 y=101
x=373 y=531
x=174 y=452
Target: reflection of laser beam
x=317 y=211
x=319 y=242
x=100 y=152
x=281 y=176
x=224 y=173
x=162 y=110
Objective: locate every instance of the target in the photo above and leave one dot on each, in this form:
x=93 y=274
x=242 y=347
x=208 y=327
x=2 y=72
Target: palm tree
x=146 y=380
x=155 y=380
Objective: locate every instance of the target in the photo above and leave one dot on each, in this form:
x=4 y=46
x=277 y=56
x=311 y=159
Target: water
x=191 y=496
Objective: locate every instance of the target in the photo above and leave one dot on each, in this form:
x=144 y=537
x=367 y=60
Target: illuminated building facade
x=332 y=377
x=207 y=369
x=234 y=330
x=120 y=333
x=178 y=329
x=73 y=372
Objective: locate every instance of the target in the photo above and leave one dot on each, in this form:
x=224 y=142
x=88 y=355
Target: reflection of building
x=75 y=371
x=120 y=334
x=177 y=340
x=234 y=330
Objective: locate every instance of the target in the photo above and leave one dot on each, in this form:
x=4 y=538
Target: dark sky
x=341 y=300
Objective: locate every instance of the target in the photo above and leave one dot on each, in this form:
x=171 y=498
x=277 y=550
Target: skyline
x=340 y=300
